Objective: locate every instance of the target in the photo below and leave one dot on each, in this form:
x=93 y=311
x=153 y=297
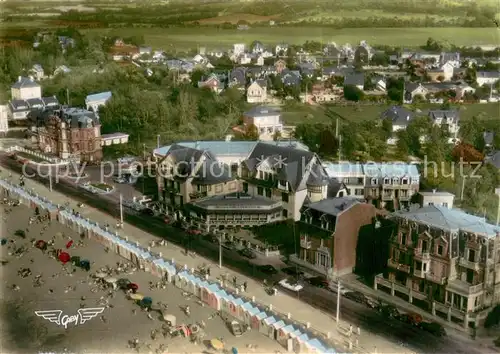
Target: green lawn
x=299 y=113
x=189 y=38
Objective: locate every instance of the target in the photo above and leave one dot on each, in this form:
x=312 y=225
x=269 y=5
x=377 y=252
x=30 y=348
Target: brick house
x=329 y=232
x=68 y=132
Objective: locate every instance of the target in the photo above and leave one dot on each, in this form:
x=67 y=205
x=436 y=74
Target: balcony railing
x=435 y=279
x=419 y=273
x=462 y=286
x=305 y=244
x=282 y=186
x=396 y=265
x=268 y=183
x=468 y=264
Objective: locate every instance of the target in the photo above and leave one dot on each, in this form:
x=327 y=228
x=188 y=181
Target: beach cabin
x=274 y=329
x=284 y=336
x=226 y=302
x=234 y=308
x=248 y=311
x=265 y=325
x=123 y=249
x=315 y=346
x=211 y=294
x=257 y=319
x=185 y=281
x=299 y=343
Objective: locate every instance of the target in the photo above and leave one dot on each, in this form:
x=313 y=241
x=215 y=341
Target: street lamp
x=497 y=192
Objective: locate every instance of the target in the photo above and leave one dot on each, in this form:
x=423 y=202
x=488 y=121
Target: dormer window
x=395 y=180
x=374 y=181
x=405 y=180
x=387 y=181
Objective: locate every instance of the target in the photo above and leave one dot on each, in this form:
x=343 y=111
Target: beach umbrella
x=64 y=257
x=217 y=344
x=4 y=241
x=234 y=350
x=137 y=297
x=85 y=264
x=146 y=302
x=133 y=286
x=69 y=244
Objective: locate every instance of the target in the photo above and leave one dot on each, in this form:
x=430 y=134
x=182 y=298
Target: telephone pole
x=121 y=210
x=338 y=302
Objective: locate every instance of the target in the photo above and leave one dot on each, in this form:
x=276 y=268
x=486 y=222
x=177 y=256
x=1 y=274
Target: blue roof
x=289 y=328
x=279 y=324
x=343 y=168
x=228 y=148
x=98 y=96
x=452 y=220
x=261 y=315
x=315 y=343
x=270 y=320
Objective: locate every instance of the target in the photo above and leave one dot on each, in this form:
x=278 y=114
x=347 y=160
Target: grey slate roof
x=35 y=103
x=19 y=105
x=317 y=176
x=291 y=164
x=398 y=115
x=185 y=159
x=445 y=114
x=261 y=111
x=25 y=82
x=238 y=76
x=290 y=78
x=334 y=186
x=213 y=172
x=488 y=74
x=333 y=206
x=50 y=101
x=494 y=159
x=355 y=79
x=452 y=220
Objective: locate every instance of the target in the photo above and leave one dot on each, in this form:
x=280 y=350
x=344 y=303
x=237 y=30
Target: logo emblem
x=83 y=315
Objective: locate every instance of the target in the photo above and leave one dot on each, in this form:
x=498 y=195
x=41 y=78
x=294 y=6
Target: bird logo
x=82 y=316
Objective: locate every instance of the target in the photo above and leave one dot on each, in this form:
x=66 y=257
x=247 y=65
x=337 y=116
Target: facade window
x=440 y=250
x=424 y=246
x=218 y=188
x=403 y=239
x=386 y=181
x=405 y=181
x=260 y=191
x=245 y=187
x=472 y=255
x=425 y=267
x=395 y=180
x=431 y=203
x=285 y=213
x=261 y=175
x=268 y=193
x=360 y=180
x=374 y=182
x=284 y=197
x=359 y=191
x=341 y=194
x=445 y=205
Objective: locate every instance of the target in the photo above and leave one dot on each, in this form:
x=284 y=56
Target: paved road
x=357 y=314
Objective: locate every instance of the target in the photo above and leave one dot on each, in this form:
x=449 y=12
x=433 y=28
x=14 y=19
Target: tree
x=196 y=76
x=352 y=93
x=467 y=153
x=380 y=58
x=251 y=133
x=387 y=128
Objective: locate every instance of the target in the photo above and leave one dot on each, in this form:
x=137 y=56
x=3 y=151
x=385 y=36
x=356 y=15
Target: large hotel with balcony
x=446 y=261
x=270 y=184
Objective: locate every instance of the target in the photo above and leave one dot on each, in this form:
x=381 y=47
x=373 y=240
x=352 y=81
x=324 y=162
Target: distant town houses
x=438 y=73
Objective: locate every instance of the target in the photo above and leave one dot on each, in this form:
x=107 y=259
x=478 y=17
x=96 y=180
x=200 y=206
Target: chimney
x=19 y=78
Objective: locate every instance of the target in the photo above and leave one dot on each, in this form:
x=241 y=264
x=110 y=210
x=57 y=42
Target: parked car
x=293 y=271
x=246 y=252
x=333 y=286
x=267 y=269
x=229 y=245
x=148 y=211
x=356 y=296
x=319 y=282
x=389 y=311
x=192 y=230
x=434 y=328
x=411 y=318
x=291 y=284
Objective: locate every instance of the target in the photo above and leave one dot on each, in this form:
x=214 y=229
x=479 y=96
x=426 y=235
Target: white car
x=290 y=286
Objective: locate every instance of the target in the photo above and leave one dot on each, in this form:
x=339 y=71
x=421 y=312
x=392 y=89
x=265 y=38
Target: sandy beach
x=69 y=288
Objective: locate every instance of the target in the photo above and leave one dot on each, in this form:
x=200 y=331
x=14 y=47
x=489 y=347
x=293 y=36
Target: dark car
x=246 y=252
x=192 y=230
x=148 y=211
x=318 y=282
x=267 y=269
x=356 y=296
x=293 y=271
x=388 y=311
x=433 y=328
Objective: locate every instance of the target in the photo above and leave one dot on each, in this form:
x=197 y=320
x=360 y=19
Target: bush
x=493 y=318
